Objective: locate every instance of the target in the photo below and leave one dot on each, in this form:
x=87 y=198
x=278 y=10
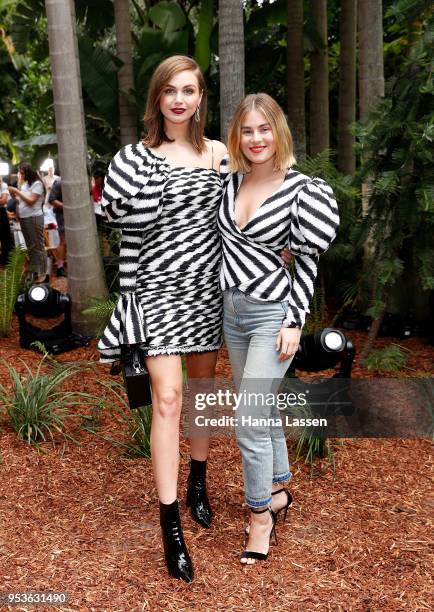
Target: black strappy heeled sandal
x=288 y=503
x=251 y=554
x=285 y=508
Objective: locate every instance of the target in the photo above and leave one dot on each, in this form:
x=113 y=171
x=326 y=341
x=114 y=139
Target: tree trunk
x=319 y=84
x=375 y=327
x=371 y=64
x=347 y=86
x=371 y=77
x=85 y=271
x=295 y=76
x=231 y=60
x=127 y=110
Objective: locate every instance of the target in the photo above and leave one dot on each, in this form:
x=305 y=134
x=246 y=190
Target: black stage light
x=320 y=351
x=323 y=350
x=43 y=302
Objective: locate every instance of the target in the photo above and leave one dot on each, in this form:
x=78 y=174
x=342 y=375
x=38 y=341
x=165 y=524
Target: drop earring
x=197 y=115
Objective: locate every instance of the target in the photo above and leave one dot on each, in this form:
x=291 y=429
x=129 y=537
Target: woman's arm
x=133 y=188
x=29 y=199
x=314 y=223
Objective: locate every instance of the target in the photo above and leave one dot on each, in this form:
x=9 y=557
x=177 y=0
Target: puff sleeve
x=131 y=201
x=131 y=197
x=225 y=169
x=314 y=224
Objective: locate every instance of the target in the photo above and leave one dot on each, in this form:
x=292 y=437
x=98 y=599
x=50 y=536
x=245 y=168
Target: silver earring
x=197 y=115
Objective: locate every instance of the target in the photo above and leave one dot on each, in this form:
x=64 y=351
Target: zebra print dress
x=170 y=255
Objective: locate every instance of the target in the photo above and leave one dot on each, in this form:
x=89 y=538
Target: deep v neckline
x=240 y=177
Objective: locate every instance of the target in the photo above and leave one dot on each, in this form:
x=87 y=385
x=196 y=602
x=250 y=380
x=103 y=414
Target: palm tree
x=371 y=63
x=231 y=60
x=295 y=76
x=127 y=110
x=371 y=75
x=319 y=85
x=86 y=277
x=347 y=86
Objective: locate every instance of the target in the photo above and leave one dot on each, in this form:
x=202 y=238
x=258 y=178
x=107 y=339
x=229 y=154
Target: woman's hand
x=286 y=255
x=287 y=342
x=13 y=191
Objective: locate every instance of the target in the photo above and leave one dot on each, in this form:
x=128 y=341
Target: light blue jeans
x=251 y=328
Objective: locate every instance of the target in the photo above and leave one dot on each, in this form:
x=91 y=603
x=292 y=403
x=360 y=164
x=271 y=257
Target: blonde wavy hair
x=274 y=115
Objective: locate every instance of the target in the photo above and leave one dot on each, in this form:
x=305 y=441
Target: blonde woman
x=163 y=193
x=267 y=206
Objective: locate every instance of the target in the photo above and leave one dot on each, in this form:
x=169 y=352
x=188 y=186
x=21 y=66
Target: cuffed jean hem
x=282 y=477
x=254 y=503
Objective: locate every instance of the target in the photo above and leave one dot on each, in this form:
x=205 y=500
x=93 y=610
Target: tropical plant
x=11 y=283
x=391 y=358
x=36 y=405
x=101 y=311
x=396 y=147
x=136 y=424
x=308 y=444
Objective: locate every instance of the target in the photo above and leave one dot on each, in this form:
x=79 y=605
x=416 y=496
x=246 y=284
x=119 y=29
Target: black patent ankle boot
x=177 y=558
x=197 y=498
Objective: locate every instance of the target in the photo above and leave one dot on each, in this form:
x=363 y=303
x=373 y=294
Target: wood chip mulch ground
x=83 y=519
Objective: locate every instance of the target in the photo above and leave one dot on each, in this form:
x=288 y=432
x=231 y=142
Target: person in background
x=6 y=241
x=55 y=199
x=97 y=189
x=49 y=180
x=31 y=195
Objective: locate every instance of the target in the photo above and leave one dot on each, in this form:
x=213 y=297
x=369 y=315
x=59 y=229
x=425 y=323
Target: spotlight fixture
x=43 y=302
x=320 y=351
x=323 y=350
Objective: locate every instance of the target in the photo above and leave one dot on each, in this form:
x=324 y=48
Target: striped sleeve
x=126 y=186
x=225 y=168
x=314 y=224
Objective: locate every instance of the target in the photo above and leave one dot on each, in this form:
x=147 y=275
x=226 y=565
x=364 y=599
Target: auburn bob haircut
x=154 y=119
x=274 y=115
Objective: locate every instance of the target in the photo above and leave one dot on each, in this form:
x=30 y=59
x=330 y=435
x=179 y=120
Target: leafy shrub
x=390 y=358
x=101 y=310
x=11 y=283
x=36 y=406
x=136 y=424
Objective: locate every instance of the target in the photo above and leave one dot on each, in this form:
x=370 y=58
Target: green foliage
x=36 y=406
x=391 y=358
x=308 y=444
x=317 y=317
x=135 y=424
x=11 y=283
x=98 y=69
x=168 y=16
x=310 y=448
x=202 y=52
x=101 y=310
x=396 y=147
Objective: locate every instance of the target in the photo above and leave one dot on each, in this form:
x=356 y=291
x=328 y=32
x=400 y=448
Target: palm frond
x=11 y=282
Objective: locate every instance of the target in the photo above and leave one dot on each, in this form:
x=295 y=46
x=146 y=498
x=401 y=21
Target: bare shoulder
x=220 y=151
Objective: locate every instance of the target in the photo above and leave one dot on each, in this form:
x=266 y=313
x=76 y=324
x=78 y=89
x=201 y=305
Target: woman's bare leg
x=200 y=365
x=166 y=377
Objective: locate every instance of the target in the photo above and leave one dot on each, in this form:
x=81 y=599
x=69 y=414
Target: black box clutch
x=136 y=376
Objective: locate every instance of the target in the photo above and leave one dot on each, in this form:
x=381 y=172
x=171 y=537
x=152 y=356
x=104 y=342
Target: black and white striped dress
x=170 y=255
x=303 y=215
